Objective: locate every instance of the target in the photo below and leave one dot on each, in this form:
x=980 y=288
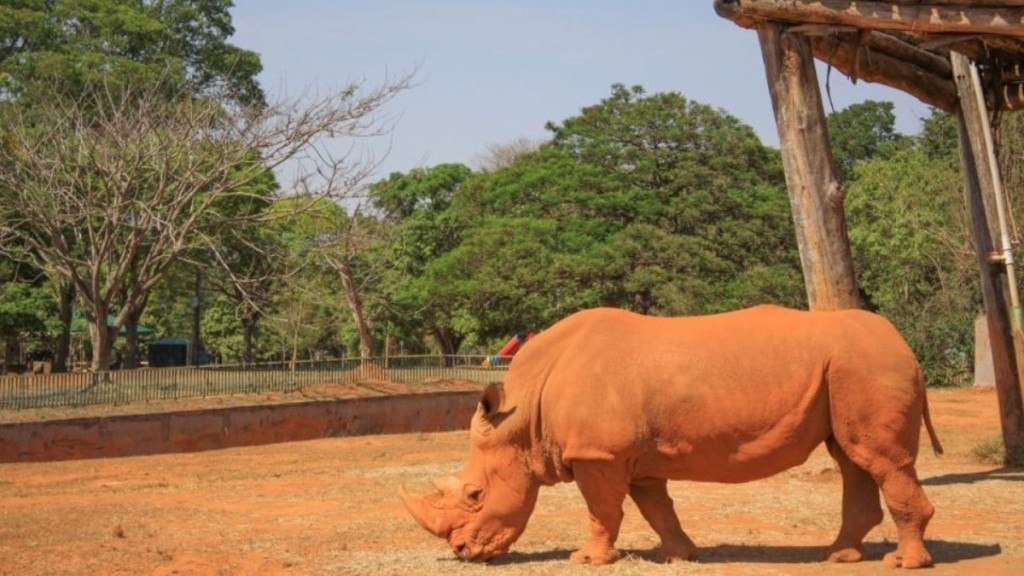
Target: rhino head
x=482 y=509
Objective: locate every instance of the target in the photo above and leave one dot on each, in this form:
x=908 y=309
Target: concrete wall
x=193 y=431
x=984 y=369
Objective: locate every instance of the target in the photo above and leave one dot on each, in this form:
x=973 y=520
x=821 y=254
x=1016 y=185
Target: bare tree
x=350 y=246
x=106 y=190
x=502 y=155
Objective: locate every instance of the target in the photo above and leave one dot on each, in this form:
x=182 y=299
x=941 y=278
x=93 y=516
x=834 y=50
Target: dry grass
x=991 y=451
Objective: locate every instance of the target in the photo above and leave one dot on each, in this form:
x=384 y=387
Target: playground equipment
x=508 y=350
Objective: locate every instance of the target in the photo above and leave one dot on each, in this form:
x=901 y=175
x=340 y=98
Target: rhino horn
x=426 y=515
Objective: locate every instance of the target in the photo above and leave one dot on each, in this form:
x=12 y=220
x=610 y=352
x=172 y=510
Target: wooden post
x=993 y=291
x=815 y=196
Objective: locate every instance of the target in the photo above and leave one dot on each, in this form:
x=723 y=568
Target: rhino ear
x=491 y=404
x=492 y=398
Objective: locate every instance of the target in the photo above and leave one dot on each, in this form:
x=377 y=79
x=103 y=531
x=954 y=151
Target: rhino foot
x=917 y=559
x=680 y=553
x=844 y=554
x=595 y=555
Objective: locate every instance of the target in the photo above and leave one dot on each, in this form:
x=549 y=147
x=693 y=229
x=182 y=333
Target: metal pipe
x=1016 y=316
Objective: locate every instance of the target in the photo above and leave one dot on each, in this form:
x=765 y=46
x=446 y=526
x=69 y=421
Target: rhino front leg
x=604 y=486
x=651 y=497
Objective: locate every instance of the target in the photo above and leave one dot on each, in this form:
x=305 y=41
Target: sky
x=492 y=71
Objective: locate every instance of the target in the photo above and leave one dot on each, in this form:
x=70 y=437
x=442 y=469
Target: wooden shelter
x=961 y=56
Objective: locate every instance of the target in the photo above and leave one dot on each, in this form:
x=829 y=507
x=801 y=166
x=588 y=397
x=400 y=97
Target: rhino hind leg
x=604 y=489
x=654 y=503
x=909 y=507
x=911 y=511
x=862 y=508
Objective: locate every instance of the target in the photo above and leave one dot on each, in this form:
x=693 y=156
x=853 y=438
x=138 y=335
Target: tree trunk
x=12 y=353
x=62 y=353
x=643 y=302
x=248 y=334
x=814 y=192
x=355 y=306
x=131 y=340
x=448 y=342
x=103 y=338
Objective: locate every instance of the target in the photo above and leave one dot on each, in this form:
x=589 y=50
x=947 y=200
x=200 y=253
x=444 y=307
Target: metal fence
x=19 y=392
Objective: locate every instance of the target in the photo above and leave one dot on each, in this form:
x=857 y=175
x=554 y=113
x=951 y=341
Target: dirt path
x=330 y=507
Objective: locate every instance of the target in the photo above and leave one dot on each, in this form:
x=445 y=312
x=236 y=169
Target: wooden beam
x=905 y=57
x=1008 y=82
x=901 y=49
x=815 y=196
x=1010 y=96
x=974 y=3
x=891 y=62
x=1005 y=18
x=1004 y=354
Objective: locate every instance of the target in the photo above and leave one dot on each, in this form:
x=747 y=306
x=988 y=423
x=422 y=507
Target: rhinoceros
x=621 y=403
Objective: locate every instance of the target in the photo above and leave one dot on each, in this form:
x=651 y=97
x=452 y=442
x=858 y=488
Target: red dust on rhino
x=621 y=403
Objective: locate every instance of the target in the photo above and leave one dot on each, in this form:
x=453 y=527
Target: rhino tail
x=936 y=445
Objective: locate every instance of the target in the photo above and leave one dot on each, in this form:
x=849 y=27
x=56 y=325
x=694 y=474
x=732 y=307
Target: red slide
x=508 y=350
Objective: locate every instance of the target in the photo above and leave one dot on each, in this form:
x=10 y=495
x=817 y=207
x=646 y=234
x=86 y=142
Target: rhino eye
x=474 y=495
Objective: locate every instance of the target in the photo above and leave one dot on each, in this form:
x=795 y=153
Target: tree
x=121 y=42
x=338 y=253
x=346 y=248
x=939 y=139
x=297 y=316
x=196 y=33
x=861 y=132
x=250 y=260
x=502 y=155
x=26 y=310
x=417 y=205
x=124 y=182
x=67 y=48
x=911 y=248
x=654 y=203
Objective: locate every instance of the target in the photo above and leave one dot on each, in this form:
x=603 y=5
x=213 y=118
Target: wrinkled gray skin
x=621 y=403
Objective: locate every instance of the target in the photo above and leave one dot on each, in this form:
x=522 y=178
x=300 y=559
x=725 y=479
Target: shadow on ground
x=1003 y=474
x=943 y=552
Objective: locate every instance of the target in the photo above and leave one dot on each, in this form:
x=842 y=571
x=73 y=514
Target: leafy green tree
x=27 y=309
x=334 y=256
x=860 y=132
x=250 y=257
x=349 y=248
x=651 y=202
x=297 y=317
x=939 y=138
x=66 y=50
x=196 y=33
x=115 y=188
x=912 y=251
x=179 y=43
x=417 y=205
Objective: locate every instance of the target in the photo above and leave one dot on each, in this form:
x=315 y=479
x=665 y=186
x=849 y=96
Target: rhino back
x=727 y=397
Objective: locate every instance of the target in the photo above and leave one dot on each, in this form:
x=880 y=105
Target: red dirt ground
x=331 y=507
